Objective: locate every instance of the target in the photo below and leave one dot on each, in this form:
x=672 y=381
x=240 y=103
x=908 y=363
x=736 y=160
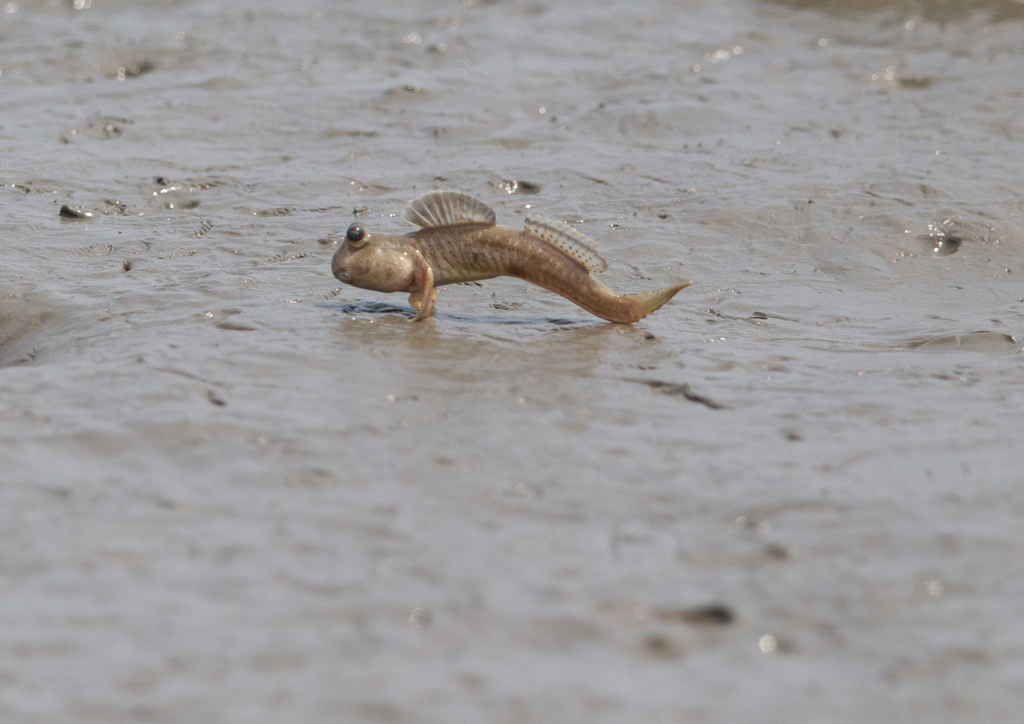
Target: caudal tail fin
x=641 y=305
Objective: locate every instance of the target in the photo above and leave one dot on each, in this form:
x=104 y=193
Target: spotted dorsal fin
x=447 y=208
x=565 y=238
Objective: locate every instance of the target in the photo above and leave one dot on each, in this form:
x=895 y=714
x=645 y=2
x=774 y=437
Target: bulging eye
x=356 y=234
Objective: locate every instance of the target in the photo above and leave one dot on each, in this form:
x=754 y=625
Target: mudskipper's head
x=378 y=263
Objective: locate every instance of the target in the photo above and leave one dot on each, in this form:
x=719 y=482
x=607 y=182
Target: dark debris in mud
x=516 y=186
x=72 y=212
x=674 y=389
x=714 y=614
x=235 y=327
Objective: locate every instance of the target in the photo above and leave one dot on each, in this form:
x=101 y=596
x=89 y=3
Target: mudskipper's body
x=459 y=241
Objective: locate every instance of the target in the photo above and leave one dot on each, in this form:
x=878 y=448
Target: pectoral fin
x=425 y=295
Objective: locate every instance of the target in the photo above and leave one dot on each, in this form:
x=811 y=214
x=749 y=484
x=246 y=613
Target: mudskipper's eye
x=356 y=234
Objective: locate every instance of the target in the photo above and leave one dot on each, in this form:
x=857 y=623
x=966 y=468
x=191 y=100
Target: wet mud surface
x=237 y=491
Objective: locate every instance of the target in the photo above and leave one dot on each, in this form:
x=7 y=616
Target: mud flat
x=235 y=491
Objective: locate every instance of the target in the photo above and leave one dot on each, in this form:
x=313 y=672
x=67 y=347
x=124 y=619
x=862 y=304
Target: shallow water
x=236 y=491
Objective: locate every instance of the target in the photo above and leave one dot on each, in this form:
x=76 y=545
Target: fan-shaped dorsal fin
x=447 y=208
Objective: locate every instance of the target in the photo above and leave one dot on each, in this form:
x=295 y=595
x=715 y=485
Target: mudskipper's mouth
x=343 y=275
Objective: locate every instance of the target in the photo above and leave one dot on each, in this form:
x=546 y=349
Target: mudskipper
x=459 y=241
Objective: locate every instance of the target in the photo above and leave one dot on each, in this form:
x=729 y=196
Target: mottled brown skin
x=431 y=257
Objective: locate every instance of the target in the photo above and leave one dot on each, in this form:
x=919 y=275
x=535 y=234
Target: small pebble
x=68 y=212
